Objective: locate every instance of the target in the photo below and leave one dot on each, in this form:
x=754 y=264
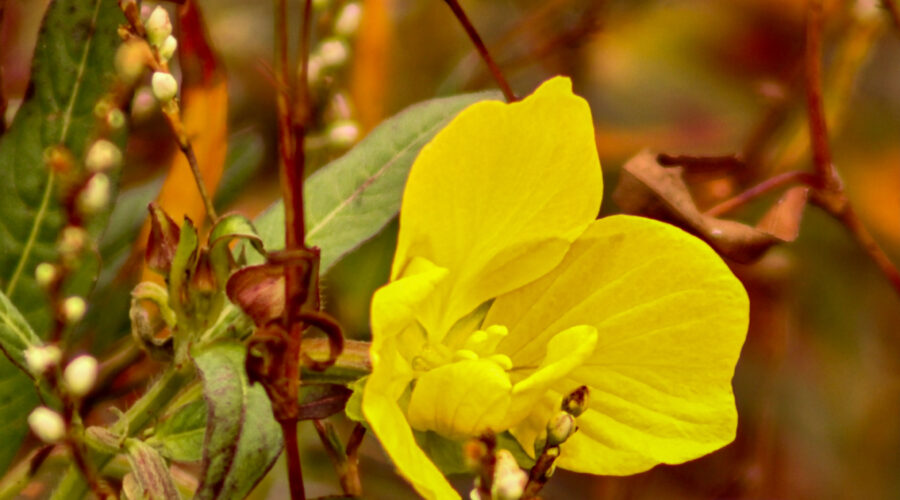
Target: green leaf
x=180 y=437
x=242 y=438
x=15 y=333
x=352 y=198
x=73 y=68
x=17 y=399
x=150 y=472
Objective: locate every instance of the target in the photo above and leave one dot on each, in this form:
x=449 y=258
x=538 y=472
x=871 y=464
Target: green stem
x=132 y=421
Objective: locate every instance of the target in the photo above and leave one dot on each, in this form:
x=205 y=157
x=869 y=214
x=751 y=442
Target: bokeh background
x=818 y=383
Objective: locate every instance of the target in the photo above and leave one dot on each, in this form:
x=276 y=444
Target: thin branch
x=482 y=49
x=818 y=129
x=350 y=476
x=292 y=450
x=761 y=189
x=891 y=7
x=868 y=243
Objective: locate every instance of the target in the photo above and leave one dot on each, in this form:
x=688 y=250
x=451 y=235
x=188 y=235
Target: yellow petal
x=566 y=351
x=389 y=424
x=671 y=320
x=498 y=195
x=461 y=399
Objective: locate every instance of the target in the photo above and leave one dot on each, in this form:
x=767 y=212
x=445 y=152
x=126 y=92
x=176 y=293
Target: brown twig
x=831 y=196
x=761 y=189
x=188 y=149
x=540 y=473
x=702 y=163
x=292 y=450
x=350 y=477
x=482 y=49
x=892 y=9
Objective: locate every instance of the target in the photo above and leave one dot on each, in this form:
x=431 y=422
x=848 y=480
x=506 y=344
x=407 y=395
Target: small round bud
x=80 y=375
x=143 y=105
x=103 y=155
x=343 y=133
x=168 y=47
x=73 y=309
x=314 y=69
x=47 y=424
x=576 y=402
x=348 y=20
x=42 y=358
x=158 y=26
x=165 y=88
x=115 y=119
x=333 y=52
x=559 y=428
x=45 y=274
x=58 y=158
x=72 y=241
x=95 y=195
x=509 y=479
x=130 y=61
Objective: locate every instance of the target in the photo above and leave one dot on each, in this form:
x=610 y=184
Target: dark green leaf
x=352 y=198
x=17 y=399
x=15 y=333
x=242 y=438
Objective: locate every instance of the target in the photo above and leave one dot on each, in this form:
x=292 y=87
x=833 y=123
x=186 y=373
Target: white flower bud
x=348 y=20
x=80 y=375
x=143 y=105
x=559 y=428
x=158 y=26
x=47 y=424
x=45 y=274
x=509 y=479
x=95 y=195
x=41 y=358
x=165 y=88
x=343 y=133
x=73 y=309
x=168 y=47
x=103 y=155
x=333 y=52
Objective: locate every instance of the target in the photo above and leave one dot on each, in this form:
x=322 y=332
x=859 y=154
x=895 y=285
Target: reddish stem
x=761 y=189
x=482 y=49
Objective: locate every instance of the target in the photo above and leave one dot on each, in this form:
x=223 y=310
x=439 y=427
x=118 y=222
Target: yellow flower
x=506 y=294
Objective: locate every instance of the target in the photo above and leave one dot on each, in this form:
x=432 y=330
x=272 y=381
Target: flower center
x=480 y=344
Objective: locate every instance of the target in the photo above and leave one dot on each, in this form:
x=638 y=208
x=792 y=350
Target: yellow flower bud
x=47 y=424
x=103 y=155
x=94 y=197
x=167 y=48
x=45 y=274
x=73 y=309
x=80 y=375
x=559 y=428
x=164 y=86
x=41 y=358
x=158 y=26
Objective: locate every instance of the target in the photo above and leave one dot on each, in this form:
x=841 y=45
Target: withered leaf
x=649 y=189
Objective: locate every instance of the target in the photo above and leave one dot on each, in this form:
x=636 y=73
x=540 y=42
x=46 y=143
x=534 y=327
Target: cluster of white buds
x=333 y=52
x=158 y=26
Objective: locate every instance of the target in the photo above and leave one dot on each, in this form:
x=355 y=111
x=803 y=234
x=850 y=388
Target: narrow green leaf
x=242 y=438
x=17 y=399
x=352 y=198
x=15 y=333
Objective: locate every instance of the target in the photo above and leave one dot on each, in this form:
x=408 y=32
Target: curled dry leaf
x=258 y=291
x=652 y=190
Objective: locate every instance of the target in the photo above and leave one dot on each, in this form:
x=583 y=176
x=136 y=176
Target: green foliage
x=242 y=438
x=180 y=437
x=352 y=198
x=73 y=65
x=151 y=478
